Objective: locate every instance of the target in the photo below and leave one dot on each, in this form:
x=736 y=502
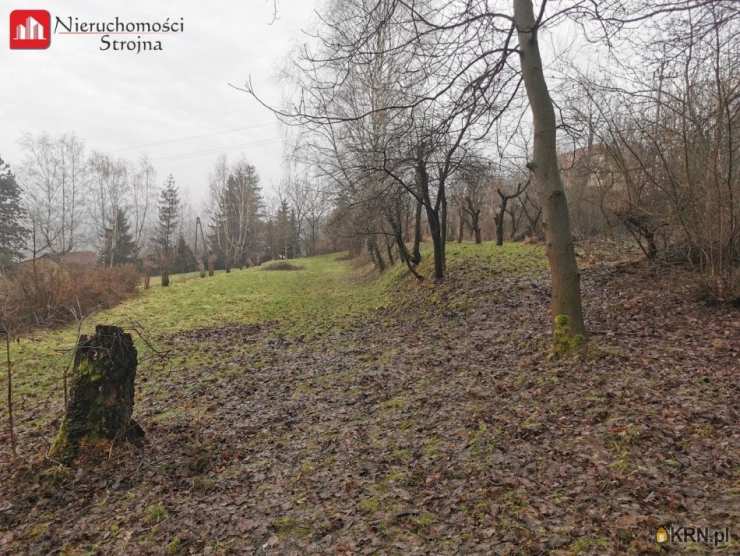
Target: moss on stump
x=101 y=400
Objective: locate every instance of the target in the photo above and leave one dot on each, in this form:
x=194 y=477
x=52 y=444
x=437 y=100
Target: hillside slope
x=318 y=412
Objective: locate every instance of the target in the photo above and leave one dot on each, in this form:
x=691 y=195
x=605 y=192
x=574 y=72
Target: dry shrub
x=720 y=288
x=50 y=294
x=281 y=265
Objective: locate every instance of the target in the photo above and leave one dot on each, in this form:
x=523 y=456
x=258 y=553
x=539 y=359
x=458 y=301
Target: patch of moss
x=303 y=389
x=202 y=484
x=431 y=448
x=403 y=455
x=174 y=547
x=288 y=526
x=369 y=505
x=396 y=475
x=56 y=475
x=564 y=341
x=155 y=513
x=394 y=404
x=479 y=511
x=425 y=520
x=588 y=544
x=482 y=443
x=39 y=530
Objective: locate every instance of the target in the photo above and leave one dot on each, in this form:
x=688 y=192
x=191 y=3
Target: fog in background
x=176 y=105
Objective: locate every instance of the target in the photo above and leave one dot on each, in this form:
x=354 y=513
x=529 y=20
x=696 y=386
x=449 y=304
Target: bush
x=281 y=265
x=45 y=293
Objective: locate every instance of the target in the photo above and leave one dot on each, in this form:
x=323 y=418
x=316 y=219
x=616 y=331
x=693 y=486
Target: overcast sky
x=154 y=103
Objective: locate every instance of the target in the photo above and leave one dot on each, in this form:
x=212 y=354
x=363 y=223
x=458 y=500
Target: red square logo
x=30 y=29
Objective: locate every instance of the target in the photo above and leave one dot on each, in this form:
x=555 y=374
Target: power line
x=187 y=138
x=218 y=150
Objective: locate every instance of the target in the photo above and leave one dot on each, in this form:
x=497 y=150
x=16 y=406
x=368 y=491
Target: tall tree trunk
x=499 y=218
x=403 y=252
x=416 y=251
x=389 y=249
x=443 y=213
x=438 y=242
x=514 y=222
x=375 y=255
x=475 y=217
x=436 y=215
x=461 y=226
x=566 y=290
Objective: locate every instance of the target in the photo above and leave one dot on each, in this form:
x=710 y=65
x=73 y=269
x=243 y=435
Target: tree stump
x=101 y=398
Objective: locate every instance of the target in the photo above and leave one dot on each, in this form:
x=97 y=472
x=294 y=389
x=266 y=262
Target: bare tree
x=108 y=192
x=662 y=142
x=54 y=176
x=457 y=54
x=143 y=193
x=474 y=181
x=501 y=210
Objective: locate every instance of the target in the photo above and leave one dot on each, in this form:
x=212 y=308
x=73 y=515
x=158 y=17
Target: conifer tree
x=12 y=213
x=118 y=246
x=164 y=241
x=236 y=222
x=184 y=259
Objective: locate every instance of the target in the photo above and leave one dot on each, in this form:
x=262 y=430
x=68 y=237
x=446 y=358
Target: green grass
x=321 y=296
x=324 y=295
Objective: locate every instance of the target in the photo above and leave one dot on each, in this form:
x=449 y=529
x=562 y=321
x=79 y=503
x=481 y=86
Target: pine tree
x=169 y=206
x=184 y=260
x=12 y=231
x=118 y=246
x=237 y=220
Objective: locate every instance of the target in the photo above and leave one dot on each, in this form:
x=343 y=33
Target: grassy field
x=321 y=295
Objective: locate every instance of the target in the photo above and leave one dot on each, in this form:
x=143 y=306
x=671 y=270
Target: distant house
x=79 y=258
x=75 y=258
x=586 y=166
x=594 y=180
